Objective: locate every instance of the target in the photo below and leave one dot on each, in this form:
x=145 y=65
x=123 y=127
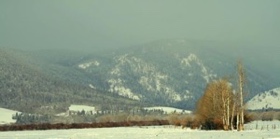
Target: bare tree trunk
x=237 y=121
x=228 y=109
x=224 y=109
x=232 y=116
x=241 y=86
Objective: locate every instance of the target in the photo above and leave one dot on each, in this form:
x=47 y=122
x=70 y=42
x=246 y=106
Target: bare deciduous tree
x=215 y=106
x=240 y=111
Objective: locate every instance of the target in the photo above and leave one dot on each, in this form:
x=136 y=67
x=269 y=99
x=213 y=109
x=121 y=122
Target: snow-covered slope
x=6 y=116
x=267 y=100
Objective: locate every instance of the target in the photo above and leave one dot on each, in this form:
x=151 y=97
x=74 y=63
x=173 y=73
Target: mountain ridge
x=161 y=73
x=168 y=63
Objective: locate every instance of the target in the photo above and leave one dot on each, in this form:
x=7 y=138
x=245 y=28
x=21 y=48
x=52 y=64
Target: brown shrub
x=174 y=119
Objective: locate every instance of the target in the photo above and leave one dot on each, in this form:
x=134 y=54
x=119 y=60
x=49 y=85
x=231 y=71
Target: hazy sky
x=85 y=24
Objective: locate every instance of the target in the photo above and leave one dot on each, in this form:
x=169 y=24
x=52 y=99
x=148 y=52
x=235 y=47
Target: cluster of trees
x=221 y=107
x=265 y=115
x=24 y=118
x=216 y=105
x=105 y=115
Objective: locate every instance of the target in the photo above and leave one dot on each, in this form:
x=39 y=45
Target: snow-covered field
x=168 y=109
x=159 y=132
x=81 y=107
x=78 y=108
x=6 y=116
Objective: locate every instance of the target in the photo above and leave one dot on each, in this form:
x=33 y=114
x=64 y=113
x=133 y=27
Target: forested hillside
x=170 y=72
x=27 y=87
x=161 y=73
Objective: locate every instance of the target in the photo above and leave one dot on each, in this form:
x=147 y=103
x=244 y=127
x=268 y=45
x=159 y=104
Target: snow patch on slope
x=116 y=84
x=91 y=86
x=207 y=75
x=189 y=59
x=188 y=95
x=88 y=64
x=267 y=100
x=150 y=78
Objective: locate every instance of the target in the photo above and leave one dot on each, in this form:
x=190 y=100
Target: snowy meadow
x=254 y=130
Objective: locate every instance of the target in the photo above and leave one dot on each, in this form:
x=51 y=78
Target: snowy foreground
x=255 y=130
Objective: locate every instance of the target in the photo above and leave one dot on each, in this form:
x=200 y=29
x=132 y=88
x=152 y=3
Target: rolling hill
x=267 y=100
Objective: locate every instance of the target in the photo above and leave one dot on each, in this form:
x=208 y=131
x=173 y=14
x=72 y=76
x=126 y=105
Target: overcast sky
x=85 y=24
